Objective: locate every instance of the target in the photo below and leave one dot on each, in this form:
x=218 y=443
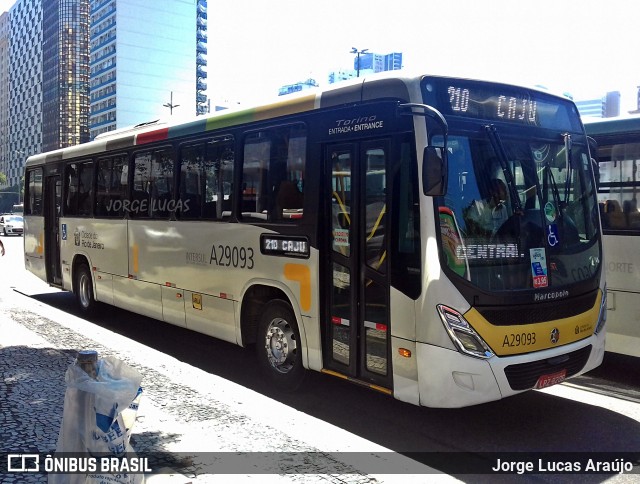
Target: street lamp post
x=358 y=52
x=170 y=105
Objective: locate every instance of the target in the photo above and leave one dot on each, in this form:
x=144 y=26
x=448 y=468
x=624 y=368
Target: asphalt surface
x=191 y=425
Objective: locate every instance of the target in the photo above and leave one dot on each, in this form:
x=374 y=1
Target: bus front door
x=356 y=321
x=53 y=195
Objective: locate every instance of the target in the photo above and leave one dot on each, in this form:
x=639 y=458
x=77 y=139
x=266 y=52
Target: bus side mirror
x=434 y=171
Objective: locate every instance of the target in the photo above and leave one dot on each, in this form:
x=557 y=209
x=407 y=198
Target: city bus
x=618 y=156
x=348 y=231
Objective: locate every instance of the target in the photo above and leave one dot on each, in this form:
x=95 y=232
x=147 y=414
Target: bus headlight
x=602 y=315
x=462 y=334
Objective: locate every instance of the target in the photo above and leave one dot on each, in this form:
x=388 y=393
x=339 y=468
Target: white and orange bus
x=350 y=231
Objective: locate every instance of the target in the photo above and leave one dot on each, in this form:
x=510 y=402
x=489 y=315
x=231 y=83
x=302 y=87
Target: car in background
x=11 y=224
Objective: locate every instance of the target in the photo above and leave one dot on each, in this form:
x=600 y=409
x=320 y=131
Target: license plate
x=552 y=379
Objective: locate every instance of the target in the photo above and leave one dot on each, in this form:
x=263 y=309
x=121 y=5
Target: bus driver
x=491 y=212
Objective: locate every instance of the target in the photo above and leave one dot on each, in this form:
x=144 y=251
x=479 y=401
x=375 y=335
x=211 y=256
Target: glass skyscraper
x=72 y=69
x=146 y=62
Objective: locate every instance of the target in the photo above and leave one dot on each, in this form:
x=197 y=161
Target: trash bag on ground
x=100 y=407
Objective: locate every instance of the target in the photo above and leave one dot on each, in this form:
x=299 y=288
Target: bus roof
x=606 y=126
x=390 y=85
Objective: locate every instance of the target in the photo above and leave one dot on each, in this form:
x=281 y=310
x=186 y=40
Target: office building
x=4 y=93
x=591 y=107
x=612 y=104
x=147 y=62
x=47 y=79
x=371 y=63
x=607 y=106
x=368 y=63
x=297 y=87
x=25 y=86
x=637 y=109
x=71 y=69
x=65 y=69
x=341 y=75
x=202 y=103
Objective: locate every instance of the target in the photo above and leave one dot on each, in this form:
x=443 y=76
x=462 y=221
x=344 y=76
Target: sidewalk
x=194 y=415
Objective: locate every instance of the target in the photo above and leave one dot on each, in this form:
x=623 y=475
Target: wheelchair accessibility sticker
x=552 y=235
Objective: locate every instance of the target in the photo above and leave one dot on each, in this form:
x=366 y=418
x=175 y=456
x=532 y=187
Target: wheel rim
x=281 y=345
x=84 y=290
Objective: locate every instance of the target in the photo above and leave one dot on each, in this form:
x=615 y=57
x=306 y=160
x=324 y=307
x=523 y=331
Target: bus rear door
x=53 y=197
x=356 y=317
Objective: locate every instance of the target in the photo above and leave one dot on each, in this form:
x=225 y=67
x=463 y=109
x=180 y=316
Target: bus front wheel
x=84 y=289
x=279 y=347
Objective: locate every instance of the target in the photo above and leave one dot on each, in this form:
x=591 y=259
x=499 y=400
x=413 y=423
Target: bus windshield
x=519 y=213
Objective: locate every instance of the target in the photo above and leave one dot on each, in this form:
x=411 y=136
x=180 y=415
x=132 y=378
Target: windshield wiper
x=548 y=175
x=568 y=181
x=496 y=143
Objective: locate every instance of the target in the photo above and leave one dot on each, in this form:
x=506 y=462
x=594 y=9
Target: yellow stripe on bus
x=301 y=274
x=135 y=253
x=526 y=338
x=359 y=382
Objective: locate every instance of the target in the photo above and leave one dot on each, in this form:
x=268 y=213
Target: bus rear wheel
x=279 y=348
x=84 y=289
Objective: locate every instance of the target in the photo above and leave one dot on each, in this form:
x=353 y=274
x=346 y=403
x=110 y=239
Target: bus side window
x=162 y=183
x=614 y=216
x=140 y=195
x=111 y=186
x=85 y=182
x=206 y=175
x=219 y=178
x=70 y=189
x=191 y=182
x=273 y=174
x=152 y=183
x=633 y=217
x=33 y=184
x=77 y=187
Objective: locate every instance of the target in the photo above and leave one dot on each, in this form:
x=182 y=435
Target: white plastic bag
x=99 y=412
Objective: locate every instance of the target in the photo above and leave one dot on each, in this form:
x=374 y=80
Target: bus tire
x=83 y=288
x=278 y=346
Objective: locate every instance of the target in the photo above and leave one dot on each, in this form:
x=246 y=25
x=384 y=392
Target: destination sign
x=284 y=245
x=499 y=102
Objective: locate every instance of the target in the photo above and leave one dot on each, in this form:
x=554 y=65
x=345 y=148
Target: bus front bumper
x=448 y=379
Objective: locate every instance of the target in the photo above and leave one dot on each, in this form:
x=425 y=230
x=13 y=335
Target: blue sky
x=584 y=47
